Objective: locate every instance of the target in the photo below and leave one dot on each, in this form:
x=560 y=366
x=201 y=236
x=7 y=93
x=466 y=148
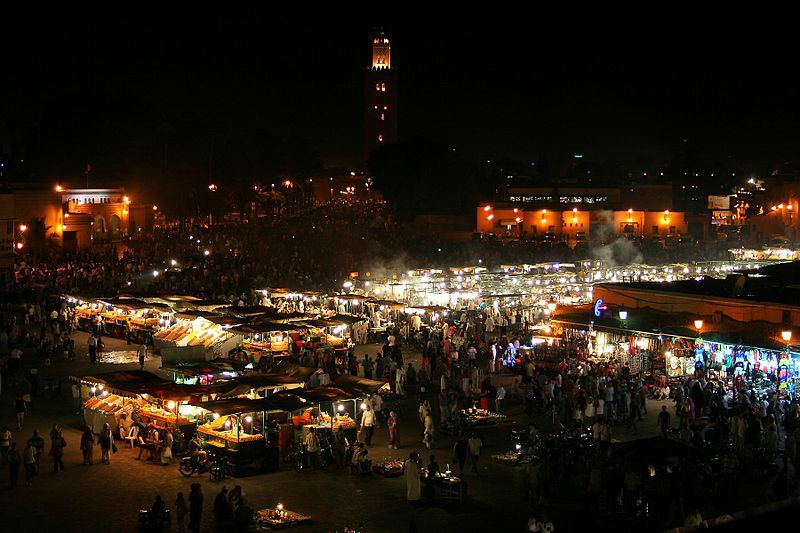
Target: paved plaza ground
x=109 y=496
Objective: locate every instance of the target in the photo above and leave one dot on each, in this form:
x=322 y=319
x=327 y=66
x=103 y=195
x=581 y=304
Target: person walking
x=142 y=351
x=180 y=511
x=195 y=507
x=21 y=408
x=106 y=440
x=87 y=445
x=29 y=459
x=394 y=430
x=312 y=447
x=5 y=444
x=57 y=446
x=413 y=483
x=474 y=446
x=92 y=342
x=664 y=421
x=499 y=399
x=460 y=453
x=368 y=424
x=38 y=447
x=14 y=461
x=427 y=437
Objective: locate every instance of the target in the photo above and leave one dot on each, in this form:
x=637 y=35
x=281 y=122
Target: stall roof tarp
x=191 y=315
x=131 y=381
x=194 y=368
x=346 y=319
x=356 y=385
x=249 y=310
x=276 y=402
x=173 y=391
x=295 y=370
x=264 y=327
x=324 y=394
x=269 y=380
x=320 y=323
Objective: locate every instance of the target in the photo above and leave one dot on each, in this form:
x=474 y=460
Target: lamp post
x=698 y=325
x=786 y=335
x=623 y=317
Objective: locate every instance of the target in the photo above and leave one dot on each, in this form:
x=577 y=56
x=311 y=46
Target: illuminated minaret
x=380 y=96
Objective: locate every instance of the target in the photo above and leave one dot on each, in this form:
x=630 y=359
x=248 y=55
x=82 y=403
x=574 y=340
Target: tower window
x=383 y=117
x=380 y=138
x=383 y=87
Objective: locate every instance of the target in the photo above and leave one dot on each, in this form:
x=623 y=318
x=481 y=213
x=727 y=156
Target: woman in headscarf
x=394 y=431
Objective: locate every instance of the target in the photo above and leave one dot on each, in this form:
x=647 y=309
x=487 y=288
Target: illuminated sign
x=599 y=307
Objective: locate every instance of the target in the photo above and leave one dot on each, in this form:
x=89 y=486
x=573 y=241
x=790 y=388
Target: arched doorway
x=99 y=229
x=114 y=227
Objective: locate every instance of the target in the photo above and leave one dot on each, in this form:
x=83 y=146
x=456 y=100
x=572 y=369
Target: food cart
x=247 y=431
x=333 y=408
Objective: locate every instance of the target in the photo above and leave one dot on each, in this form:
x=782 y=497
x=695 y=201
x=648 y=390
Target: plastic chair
x=132 y=434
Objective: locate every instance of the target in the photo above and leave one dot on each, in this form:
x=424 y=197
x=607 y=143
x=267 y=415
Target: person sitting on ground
x=360 y=458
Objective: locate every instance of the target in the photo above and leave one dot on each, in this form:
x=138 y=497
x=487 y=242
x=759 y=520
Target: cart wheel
x=186 y=468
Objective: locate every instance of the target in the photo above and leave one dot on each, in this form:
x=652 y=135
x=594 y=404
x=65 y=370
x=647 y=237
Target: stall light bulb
x=215 y=416
x=105 y=393
x=363 y=406
x=248 y=419
x=100 y=386
x=171 y=405
x=280 y=507
x=227 y=423
x=340 y=408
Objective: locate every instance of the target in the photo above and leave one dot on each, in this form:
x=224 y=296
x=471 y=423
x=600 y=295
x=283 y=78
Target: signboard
x=719 y=202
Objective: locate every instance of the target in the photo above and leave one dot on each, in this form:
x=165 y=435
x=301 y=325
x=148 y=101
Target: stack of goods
x=280 y=518
x=110 y=404
x=390 y=468
x=511 y=458
x=482 y=417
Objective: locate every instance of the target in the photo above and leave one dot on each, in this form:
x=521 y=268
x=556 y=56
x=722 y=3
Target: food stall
x=266 y=339
x=196 y=336
x=107 y=396
x=333 y=408
x=248 y=431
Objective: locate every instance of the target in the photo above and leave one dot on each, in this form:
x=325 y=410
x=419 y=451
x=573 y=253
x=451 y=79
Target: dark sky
x=128 y=92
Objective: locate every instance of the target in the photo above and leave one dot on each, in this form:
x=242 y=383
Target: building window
x=378 y=87
x=672 y=229
x=655 y=230
x=383 y=87
x=380 y=138
x=383 y=117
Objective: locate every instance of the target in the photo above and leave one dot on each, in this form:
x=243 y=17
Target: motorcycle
x=217 y=467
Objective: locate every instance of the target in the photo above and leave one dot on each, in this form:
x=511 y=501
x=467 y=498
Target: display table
x=274 y=519
x=447 y=487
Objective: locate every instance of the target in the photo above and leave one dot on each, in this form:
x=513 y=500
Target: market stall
x=334 y=408
x=268 y=340
x=247 y=431
x=196 y=336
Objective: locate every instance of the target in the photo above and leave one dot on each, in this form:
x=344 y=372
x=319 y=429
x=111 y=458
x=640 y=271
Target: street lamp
x=698 y=325
x=623 y=315
x=786 y=336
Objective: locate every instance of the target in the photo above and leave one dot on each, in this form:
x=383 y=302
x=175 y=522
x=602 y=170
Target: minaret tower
x=380 y=97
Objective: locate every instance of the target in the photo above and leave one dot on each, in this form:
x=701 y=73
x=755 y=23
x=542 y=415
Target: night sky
x=131 y=93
